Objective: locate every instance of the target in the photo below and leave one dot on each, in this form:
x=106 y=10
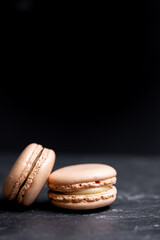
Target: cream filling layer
x=87 y=191
x=86 y=195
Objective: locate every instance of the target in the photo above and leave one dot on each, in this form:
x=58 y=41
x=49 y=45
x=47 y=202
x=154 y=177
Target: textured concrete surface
x=134 y=215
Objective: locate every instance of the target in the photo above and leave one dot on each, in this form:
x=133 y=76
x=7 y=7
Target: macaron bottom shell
x=84 y=205
x=83 y=202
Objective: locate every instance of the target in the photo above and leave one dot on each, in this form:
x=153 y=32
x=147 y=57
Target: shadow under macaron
x=43 y=206
x=11 y=206
x=47 y=206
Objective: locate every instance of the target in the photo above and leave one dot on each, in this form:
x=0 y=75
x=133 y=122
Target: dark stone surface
x=134 y=215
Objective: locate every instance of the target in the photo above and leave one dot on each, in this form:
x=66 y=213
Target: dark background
x=81 y=79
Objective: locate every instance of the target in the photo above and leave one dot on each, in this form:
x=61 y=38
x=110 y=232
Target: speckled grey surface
x=134 y=215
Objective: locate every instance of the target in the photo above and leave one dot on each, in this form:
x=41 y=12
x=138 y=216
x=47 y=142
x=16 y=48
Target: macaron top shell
x=81 y=173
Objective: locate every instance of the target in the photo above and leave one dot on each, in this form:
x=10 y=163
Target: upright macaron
x=29 y=174
x=83 y=186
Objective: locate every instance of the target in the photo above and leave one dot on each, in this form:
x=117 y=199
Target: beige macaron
x=83 y=186
x=29 y=174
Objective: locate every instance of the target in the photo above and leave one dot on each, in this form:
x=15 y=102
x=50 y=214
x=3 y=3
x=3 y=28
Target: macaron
x=29 y=174
x=83 y=186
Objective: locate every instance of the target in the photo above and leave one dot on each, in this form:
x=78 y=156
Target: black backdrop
x=81 y=81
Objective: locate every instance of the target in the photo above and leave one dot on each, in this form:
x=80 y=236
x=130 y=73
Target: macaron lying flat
x=82 y=187
x=29 y=174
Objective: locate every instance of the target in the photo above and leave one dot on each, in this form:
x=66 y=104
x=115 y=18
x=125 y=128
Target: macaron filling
x=90 y=195
x=86 y=191
x=90 y=191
